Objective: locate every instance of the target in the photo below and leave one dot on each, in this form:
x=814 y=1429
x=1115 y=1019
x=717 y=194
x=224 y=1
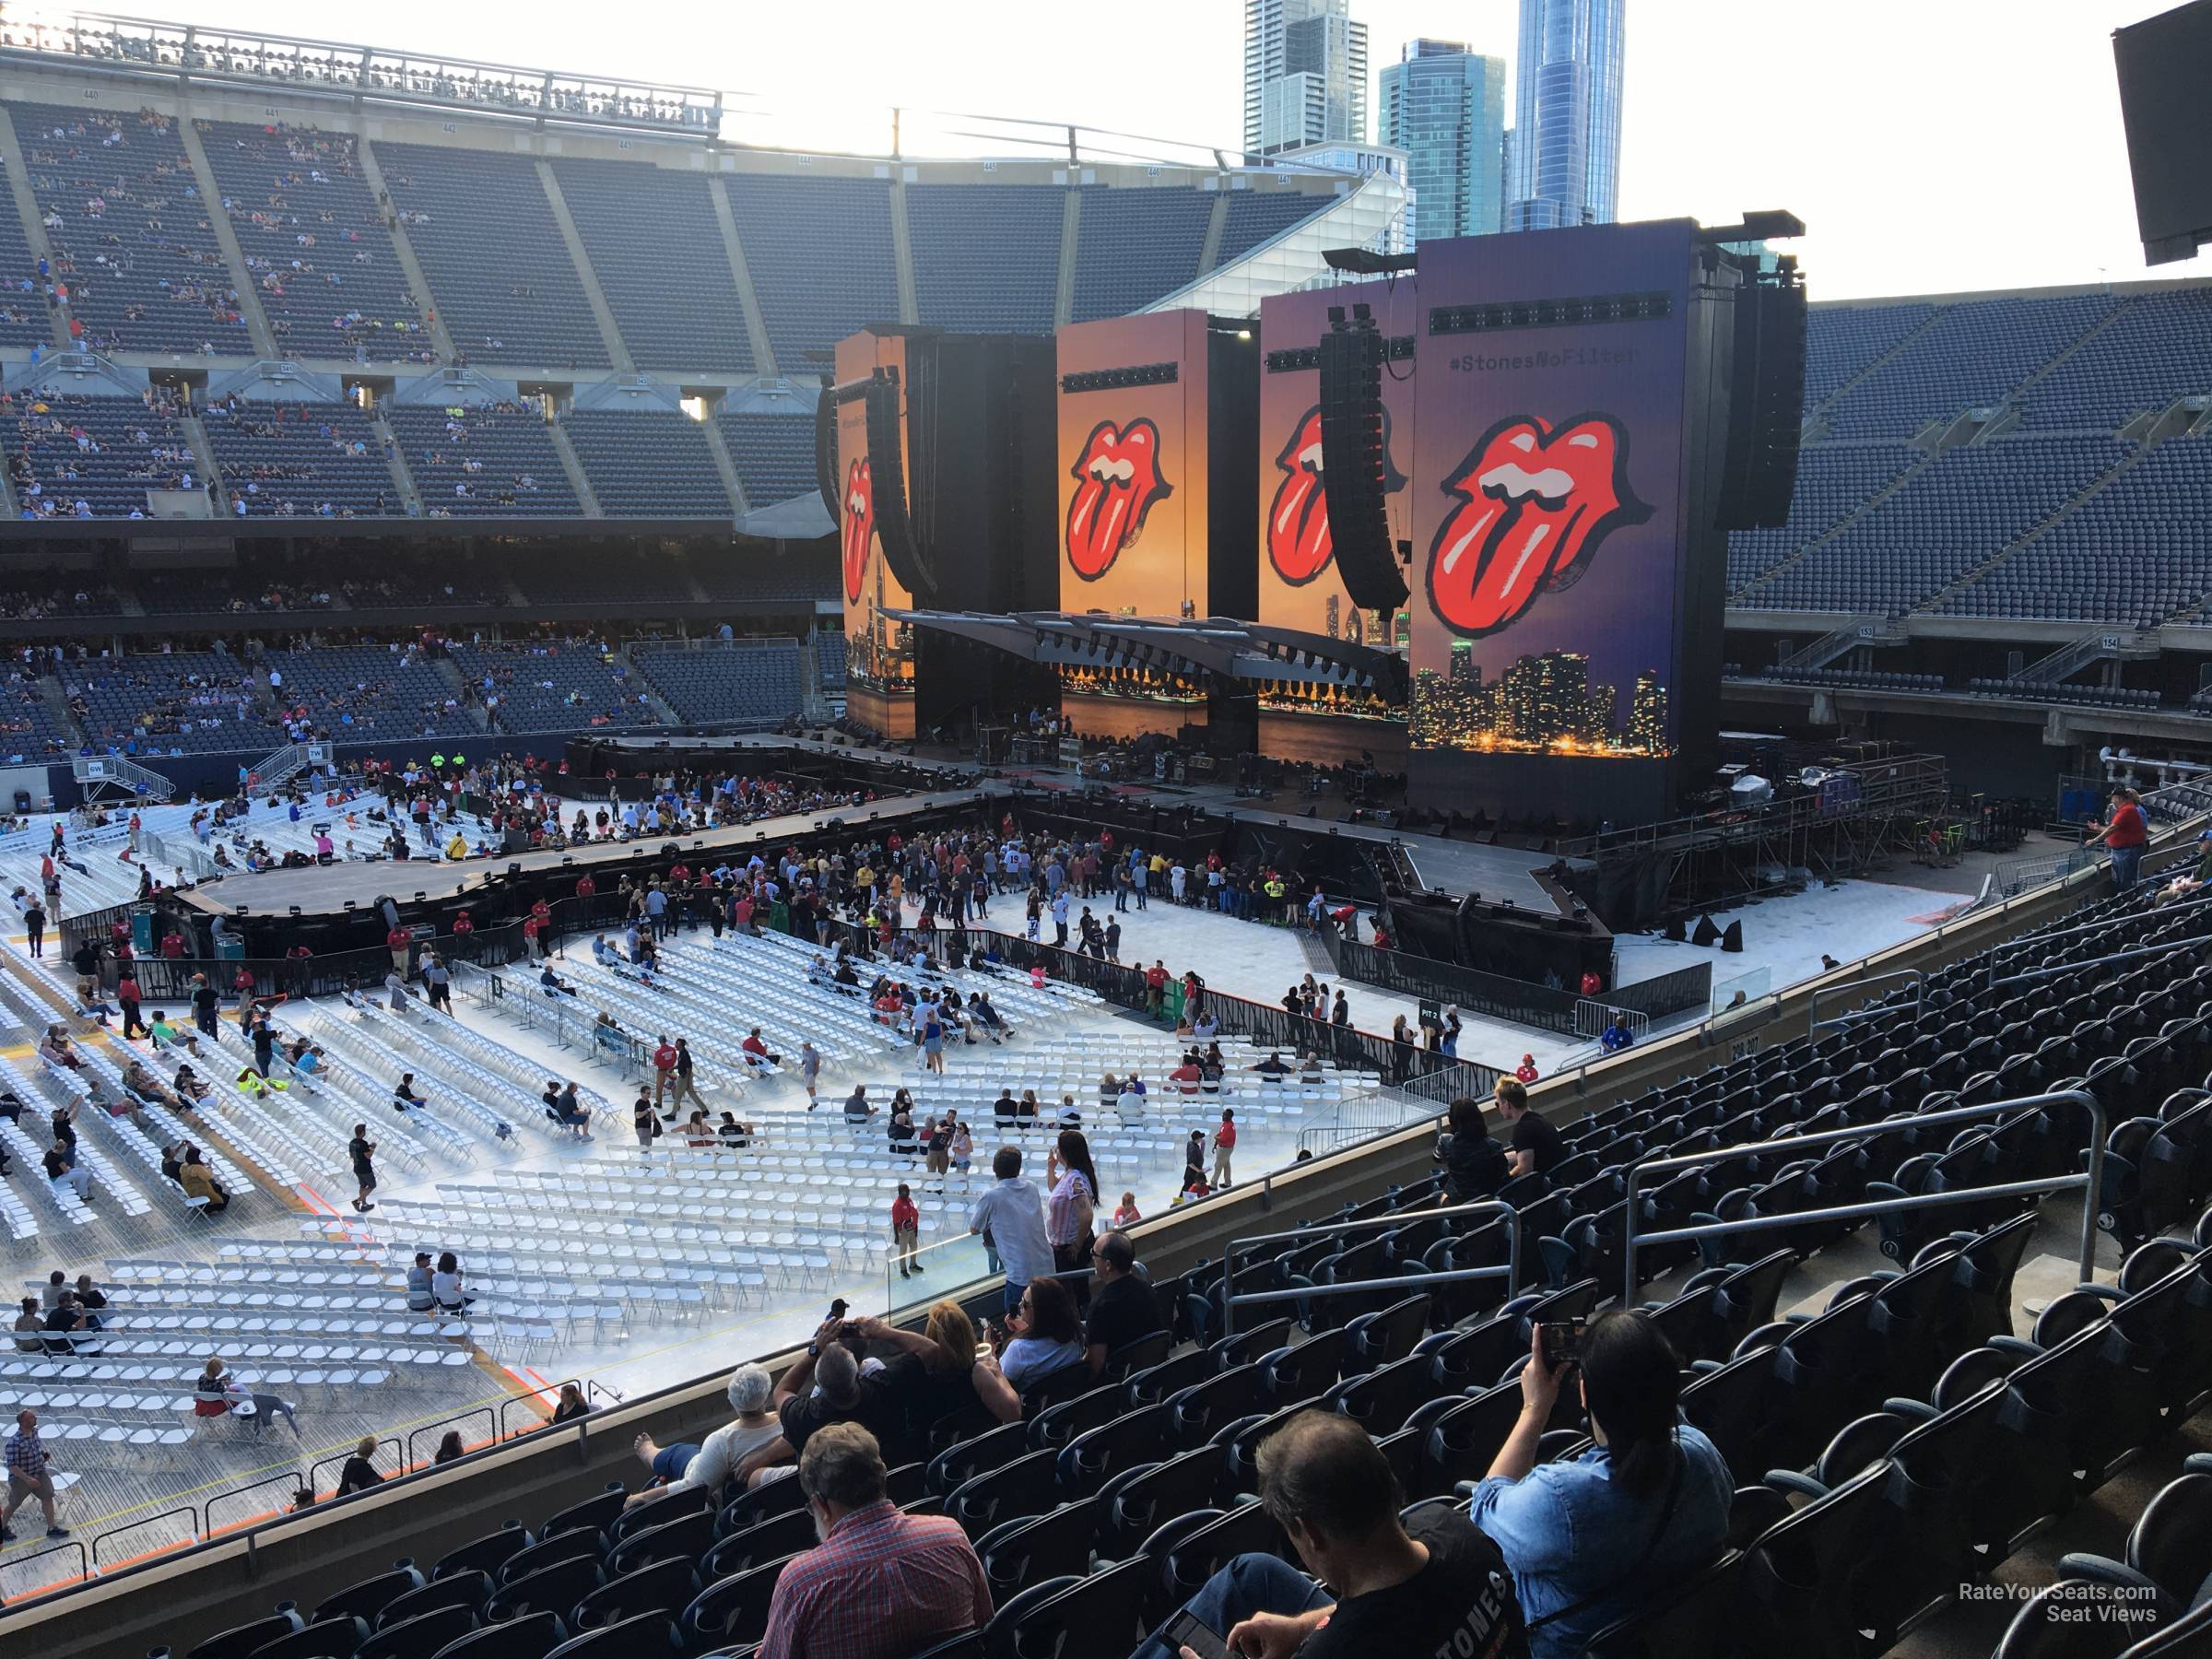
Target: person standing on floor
x=906 y=1232
x=29 y=1475
x=684 y=1081
x=644 y=1119
x=362 y=1150
x=1225 y=1142
x=128 y=997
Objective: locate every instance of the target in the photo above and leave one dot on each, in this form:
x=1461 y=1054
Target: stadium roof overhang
x=1204 y=649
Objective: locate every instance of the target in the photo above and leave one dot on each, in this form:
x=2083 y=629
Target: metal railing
x=2139 y=953
x=1592 y=1017
x=315 y=1473
x=290 y=1477
x=1813 y=1022
x=2046 y=937
x=1231 y=1300
x=2089 y=1183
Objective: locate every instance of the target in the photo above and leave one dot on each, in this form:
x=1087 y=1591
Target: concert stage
x=1455 y=866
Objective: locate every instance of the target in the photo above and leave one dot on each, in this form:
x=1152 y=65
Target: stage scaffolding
x=1868 y=814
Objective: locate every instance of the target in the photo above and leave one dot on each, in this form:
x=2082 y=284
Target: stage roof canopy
x=1208 y=649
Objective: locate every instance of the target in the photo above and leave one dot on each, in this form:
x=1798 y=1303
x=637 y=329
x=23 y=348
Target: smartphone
x=1562 y=1341
x=1184 y=1631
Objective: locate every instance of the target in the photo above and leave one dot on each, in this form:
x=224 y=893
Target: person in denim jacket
x=1593 y=1539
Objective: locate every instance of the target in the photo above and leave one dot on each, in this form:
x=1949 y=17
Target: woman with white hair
x=686 y=1465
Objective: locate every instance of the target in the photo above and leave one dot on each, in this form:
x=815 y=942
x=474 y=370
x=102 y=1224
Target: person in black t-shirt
x=1122 y=1307
x=1474 y=1165
x=1440 y=1588
x=1536 y=1148
x=845 y=1397
x=359 y=1473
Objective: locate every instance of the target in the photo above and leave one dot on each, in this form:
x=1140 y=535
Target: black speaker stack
x=887 y=471
x=826 y=478
x=1355 y=461
x=1765 y=402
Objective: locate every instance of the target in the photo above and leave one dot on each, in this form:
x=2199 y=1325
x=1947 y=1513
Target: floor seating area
x=527 y=306
x=753 y=682
x=125 y=219
x=315 y=245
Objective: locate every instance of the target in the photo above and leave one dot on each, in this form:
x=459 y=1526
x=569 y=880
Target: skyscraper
x=1444 y=107
x=1305 y=74
x=1567 y=114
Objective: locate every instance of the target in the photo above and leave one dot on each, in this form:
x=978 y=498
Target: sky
x=1930 y=146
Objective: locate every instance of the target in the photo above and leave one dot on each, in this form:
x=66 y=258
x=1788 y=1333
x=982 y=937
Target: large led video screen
x=1301 y=586
x=1550 y=513
x=880 y=660
x=1132 y=465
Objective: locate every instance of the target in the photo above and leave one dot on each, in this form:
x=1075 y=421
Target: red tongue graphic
x=1534 y=505
x=860 y=523
x=1298 y=518
x=1117 y=480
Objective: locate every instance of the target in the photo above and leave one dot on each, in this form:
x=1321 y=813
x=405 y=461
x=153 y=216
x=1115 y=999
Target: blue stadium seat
x=651 y=235
x=145 y=273
x=525 y=306
x=649 y=464
x=315 y=243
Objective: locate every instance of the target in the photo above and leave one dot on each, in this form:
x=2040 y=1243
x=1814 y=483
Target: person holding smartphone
x=1594 y=1538
x=1441 y=1587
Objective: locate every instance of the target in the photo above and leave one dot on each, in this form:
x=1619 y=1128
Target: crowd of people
x=1541 y=1557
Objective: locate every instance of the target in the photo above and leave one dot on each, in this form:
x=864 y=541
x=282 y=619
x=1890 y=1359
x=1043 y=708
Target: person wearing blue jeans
x=1251 y=1587
x=1437 y=1585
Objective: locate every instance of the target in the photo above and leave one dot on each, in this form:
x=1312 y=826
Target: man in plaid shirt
x=28 y=1476
x=882 y=1584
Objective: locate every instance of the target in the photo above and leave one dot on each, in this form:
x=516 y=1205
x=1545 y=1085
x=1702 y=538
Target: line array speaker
x=886 y=470
x=825 y=453
x=1355 y=462
x=1766 y=403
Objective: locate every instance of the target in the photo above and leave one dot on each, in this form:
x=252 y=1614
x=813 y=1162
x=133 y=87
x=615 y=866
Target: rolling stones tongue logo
x=860 y=523
x=1117 y=481
x=1536 y=502
x=1299 y=544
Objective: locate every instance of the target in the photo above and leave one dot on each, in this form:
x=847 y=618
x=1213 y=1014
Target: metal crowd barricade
x=1405 y=1283
x=2089 y=1183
